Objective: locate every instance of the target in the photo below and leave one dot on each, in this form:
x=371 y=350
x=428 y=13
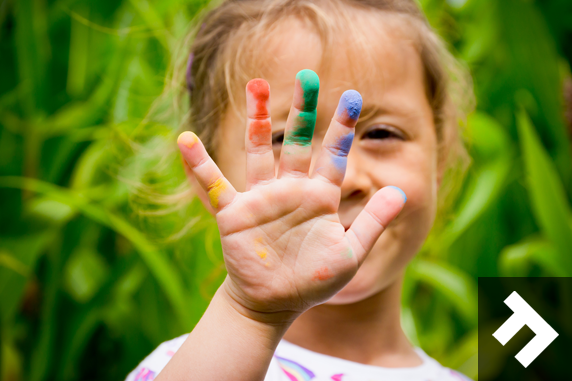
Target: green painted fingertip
x=400 y=191
x=310 y=84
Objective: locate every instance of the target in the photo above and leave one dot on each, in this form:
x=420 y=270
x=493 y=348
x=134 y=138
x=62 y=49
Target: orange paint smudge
x=260 y=90
x=260 y=132
x=262 y=253
x=215 y=189
x=260 y=249
x=322 y=274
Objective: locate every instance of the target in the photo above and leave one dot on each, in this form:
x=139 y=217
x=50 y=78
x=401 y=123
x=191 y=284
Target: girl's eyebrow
x=369 y=111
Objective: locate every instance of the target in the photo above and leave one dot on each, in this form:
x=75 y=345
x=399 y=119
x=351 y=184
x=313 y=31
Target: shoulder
x=150 y=367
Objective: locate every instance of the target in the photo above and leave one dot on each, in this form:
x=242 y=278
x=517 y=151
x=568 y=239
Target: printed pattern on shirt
x=288 y=366
x=295 y=371
x=145 y=375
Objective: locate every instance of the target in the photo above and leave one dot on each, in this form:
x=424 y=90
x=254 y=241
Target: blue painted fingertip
x=351 y=102
x=400 y=191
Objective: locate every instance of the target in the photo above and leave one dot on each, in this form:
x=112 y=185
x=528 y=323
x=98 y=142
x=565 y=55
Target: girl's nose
x=357 y=183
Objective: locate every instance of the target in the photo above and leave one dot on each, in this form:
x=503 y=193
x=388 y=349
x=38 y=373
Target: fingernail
x=400 y=191
x=188 y=139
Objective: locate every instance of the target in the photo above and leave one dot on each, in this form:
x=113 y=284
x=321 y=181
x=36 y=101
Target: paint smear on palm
x=322 y=274
x=260 y=128
x=260 y=249
x=306 y=120
x=348 y=253
x=215 y=190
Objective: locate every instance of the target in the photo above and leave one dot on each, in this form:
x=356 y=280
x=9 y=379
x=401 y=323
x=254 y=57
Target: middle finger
x=296 y=152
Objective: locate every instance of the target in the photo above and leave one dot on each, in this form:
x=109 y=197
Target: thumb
x=381 y=209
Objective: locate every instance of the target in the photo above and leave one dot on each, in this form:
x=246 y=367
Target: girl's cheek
x=421 y=189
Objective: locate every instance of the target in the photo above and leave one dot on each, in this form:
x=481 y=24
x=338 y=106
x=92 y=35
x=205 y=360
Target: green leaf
x=547 y=196
x=33 y=51
x=483 y=189
x=154 y=21
x=84 y=273
x=18 y=257
x=517 y=260
x=492 y=146
x=166 y=275
x=457 y=286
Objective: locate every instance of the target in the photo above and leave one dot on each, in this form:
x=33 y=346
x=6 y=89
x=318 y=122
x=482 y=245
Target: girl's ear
x=198 y=190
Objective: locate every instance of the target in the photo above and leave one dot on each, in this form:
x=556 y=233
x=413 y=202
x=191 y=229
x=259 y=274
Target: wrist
x=277 y=320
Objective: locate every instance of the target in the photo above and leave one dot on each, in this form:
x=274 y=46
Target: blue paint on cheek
x=351 y=103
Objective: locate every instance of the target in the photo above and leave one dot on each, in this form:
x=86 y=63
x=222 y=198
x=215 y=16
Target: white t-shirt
x=294 y=363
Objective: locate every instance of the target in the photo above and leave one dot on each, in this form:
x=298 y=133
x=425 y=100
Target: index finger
x=219 y=189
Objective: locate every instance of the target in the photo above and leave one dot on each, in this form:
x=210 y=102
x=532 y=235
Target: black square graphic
x=551 y=298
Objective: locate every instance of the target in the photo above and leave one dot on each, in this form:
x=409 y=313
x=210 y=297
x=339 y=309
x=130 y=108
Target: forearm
x=225 y=345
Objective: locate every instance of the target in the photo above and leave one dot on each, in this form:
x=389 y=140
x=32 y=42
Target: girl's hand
x=284 y=247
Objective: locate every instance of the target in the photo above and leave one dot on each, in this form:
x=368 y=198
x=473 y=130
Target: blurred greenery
x=90 y=283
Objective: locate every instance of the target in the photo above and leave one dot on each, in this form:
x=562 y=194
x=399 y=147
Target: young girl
x=321 y=208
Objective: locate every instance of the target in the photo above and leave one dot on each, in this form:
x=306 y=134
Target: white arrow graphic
x=523 y=315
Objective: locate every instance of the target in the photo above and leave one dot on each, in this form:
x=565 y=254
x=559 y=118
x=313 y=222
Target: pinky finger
x=381 y=209
x=220 y=191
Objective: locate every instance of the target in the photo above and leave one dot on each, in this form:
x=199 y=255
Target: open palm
x=283 y=244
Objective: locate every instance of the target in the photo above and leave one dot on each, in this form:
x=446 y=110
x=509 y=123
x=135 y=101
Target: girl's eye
x=278 y=138
x=383 y=132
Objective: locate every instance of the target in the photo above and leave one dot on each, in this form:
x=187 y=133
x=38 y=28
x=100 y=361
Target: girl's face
x=394 y=144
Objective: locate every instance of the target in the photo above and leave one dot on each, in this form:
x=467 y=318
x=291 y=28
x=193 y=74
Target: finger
x=259 y=154
x=194 y=190
x=331 y=164
x=220 y=191
x=296 y=152
x=383 y=207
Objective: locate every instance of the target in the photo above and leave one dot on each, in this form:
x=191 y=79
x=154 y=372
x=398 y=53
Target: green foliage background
x=88 y=286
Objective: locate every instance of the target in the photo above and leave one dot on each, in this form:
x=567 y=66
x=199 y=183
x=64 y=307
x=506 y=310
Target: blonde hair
x=223 y=57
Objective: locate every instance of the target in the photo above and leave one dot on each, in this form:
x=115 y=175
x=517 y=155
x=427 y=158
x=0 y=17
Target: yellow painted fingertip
x=188 y=139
